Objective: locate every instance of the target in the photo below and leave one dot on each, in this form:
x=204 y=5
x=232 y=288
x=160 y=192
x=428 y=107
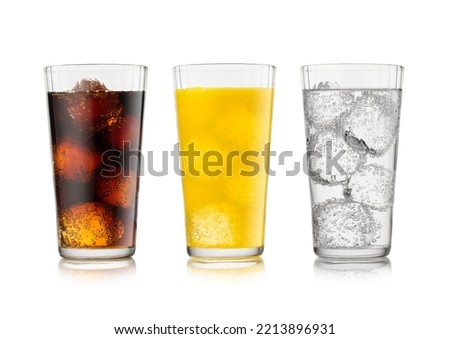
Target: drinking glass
x=96 y=116
x=224 y=121
x=352 y=116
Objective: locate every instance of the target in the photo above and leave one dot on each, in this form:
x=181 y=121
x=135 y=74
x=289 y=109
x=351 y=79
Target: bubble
x=89 y=224
x=372 y=123
x=339 y=223
x=212 y=226
x=323 y=108
x=373 y=185
x=349 y=161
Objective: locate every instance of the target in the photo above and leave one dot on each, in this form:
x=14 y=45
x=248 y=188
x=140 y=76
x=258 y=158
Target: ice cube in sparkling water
x=327 y=85
x=349 y=161
x=372 y=124
x=339 y=223
x=212 y=225
x=373 y=185
x=324 y=107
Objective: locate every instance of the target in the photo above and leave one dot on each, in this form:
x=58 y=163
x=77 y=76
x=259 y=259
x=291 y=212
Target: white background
x=41 y=295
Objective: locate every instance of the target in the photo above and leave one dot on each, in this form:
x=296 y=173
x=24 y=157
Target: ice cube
x=372 y=123
x=339 y=223
x=323 y=108
x=86 y=85
x=206 y=148
x=118 y=190
x=244 y=127
x=89 y=224
x=349 y=161
x=373 y=186
x=358 y=145
x=212 y=226
x=73 y=162
x=248 y=191
x=327 y=85
x=92 y=107
x=125 y=130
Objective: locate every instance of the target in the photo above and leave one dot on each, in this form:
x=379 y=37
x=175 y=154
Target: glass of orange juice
x=224 y=121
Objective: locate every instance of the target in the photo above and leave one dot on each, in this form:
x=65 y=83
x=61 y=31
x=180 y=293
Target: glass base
x=224 y=253
x=96 y=253
x=352 y=253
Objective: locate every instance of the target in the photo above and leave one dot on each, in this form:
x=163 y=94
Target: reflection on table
x=224 y=270
x=97 y=270
x=352 y=270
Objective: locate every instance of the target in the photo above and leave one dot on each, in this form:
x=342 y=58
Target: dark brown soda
x=96 y=197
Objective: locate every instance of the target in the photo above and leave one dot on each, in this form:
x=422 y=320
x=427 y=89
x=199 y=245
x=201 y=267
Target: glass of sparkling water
x=352 y=116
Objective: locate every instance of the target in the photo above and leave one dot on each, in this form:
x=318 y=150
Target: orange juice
x=225 y=183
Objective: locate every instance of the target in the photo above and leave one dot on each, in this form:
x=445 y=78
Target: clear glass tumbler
x=352 y=116
x=96 y=116
x=224 y=122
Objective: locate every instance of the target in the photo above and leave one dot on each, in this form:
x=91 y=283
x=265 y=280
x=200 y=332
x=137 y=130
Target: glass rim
x=91 y=65
x=224 y=64
x=350 y=66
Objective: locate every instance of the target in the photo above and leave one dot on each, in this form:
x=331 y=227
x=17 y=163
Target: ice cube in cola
x=96 y=200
